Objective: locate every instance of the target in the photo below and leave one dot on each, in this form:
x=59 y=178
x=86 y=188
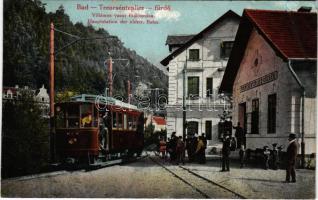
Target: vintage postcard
x=159 y=99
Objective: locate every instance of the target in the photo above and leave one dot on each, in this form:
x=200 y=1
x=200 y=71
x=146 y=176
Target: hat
x=292 y=136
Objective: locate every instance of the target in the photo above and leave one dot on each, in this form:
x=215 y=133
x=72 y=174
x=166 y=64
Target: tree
x=25 y=141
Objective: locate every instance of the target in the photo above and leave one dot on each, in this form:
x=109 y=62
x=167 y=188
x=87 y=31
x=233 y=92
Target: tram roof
x=103 y=100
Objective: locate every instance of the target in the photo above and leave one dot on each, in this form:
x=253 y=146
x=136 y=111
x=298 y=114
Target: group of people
x=195 y=147
x=175 y=147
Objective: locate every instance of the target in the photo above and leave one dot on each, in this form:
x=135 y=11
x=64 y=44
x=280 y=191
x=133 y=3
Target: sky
x=185 y=17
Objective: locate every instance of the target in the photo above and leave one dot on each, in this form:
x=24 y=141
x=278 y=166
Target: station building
x=205 y=55
x=272 y=77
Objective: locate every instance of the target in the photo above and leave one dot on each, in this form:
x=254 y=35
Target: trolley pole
x=110 y=76
x=184 y=107
x=52 y=130
x=128 y=90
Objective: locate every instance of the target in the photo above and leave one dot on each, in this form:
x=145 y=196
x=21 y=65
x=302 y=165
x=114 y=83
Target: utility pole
x=52 y=130
x=184 y=107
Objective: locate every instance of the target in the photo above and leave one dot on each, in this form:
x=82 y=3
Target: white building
x=274 y=58
x=41 y=97
x=205 y=55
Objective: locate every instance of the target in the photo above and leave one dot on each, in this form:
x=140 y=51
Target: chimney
x=304 y=9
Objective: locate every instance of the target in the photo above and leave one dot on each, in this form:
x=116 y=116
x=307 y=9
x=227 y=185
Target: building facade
x=271 y=75
x=205 y=56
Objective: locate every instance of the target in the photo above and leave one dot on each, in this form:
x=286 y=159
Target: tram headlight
x=72 y=140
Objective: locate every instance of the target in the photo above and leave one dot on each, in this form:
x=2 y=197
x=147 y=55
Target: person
x=102 y=132
x=189 y=148
x=180 y=150
x=226 y=153
x=275 y=156
x=292 y=150
x=169 y=149
x=239 y=135
x=200 y=151
x=266 y=153
x=87 y=120
x=205 y=146
x=193 y=147
x=173 y=145
x=242 y=155
x=162 y=148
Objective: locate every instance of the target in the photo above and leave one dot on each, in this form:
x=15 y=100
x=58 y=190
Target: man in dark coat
x=240 y=135
x=292 y=150
x=226 y=150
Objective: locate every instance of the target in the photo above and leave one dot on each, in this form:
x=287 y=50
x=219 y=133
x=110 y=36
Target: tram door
x=242 y=115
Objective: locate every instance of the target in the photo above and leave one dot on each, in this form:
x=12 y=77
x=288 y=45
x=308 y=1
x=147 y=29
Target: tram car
x=90 y=127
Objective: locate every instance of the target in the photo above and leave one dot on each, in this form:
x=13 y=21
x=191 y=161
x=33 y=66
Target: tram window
x=86 y=115
x=134 y=122
x=125 y=121
x=114 y=120
x=60 y=117
x=72 y=116
x=130 y=122
x=96 y=117
x=120 y=120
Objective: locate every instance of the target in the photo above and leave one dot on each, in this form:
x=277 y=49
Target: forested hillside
x=79 y=68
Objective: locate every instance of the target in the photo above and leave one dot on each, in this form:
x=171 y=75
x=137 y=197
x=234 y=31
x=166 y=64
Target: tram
x=89 y=127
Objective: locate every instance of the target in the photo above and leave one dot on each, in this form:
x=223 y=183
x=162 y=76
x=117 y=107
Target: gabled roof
x=228 y=14
x=178 y=39
x=159 y=120
x=290 y=34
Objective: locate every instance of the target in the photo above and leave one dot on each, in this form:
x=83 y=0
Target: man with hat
x=226 y=150
x=292 y=150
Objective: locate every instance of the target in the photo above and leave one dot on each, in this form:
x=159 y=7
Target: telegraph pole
x=52 y=130
x=184 y=107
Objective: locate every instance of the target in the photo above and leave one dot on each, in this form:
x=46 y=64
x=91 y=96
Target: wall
x=288 y=113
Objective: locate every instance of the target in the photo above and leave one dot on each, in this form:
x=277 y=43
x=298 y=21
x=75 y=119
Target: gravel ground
x=145 y=179
x=141 y=179
x=256 y=183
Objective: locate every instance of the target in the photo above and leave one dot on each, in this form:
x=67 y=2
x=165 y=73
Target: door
x=242 y=115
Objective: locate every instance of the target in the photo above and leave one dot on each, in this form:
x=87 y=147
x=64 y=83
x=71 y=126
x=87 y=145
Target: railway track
x=205 y=187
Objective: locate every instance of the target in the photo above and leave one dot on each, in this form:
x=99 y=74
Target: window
x=193 y=128
x=255 y=116
x=134 y=124
x=271 y=114
x=72 y=116
x=87 y=115
x=194 y=54
x=226 y=48
x=120 y=120
x=208 y=130
x=60 y=117
x=130 y=122
x=209 y=87
x=193 y=87
x=125 y=121
x=114 y=120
